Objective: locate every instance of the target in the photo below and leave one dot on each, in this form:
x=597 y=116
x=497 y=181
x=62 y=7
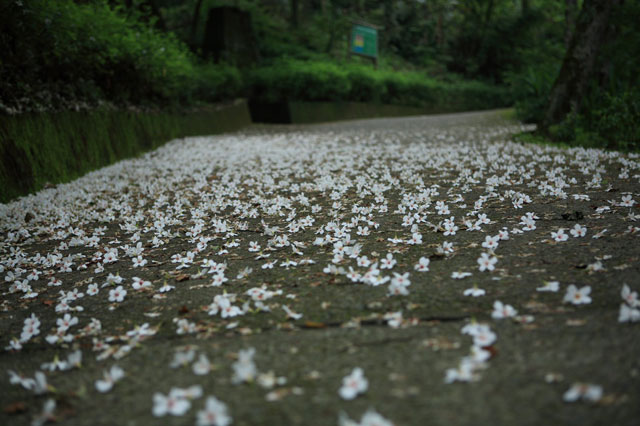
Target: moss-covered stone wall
x=36 y=149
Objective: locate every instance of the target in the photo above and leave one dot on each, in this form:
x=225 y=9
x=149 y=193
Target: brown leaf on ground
x=313 y=324
x=15 y=408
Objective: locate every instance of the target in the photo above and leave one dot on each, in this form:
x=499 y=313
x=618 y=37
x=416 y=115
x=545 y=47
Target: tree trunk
x=390 y=22
x=570 y=13
x=488 y=16
x=332 y=27
x=578 y=65
x=194 y=23
x=440 y=31
x=294 y=13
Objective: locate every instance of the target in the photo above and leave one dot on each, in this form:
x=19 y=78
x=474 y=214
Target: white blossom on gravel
x=578 y=296
x=549 y=286
x=486 y=262
x=629 y=297
x=456 y=275
x=474 y=291
x=628 y=314
x=215 y=413
x=559 y=235
x=110 y=377
x=202 y=366
x=47 y=413
x=244 y=369
x=117 y=294
x=174 y=404
x=500 y=310
x=353 y=384
x=586 y=391
x=370 y=418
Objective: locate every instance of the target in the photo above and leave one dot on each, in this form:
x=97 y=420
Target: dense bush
x=531 y=88
x=618 y=119
x=322 y=81
x=59 y=54
x=612 y=121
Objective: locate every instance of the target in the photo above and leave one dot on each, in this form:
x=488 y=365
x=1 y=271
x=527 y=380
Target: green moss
x=57 y=147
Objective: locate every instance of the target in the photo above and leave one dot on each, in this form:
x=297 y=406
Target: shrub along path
x=398 y=271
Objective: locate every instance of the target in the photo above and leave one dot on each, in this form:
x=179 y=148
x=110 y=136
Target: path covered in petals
x=383 y=272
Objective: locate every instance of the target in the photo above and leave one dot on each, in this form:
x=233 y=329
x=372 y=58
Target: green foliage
x=59 y=54
x=312 y=81
x=609 y=114
x=612 y=122
x=617 y=120
x=216 y=82
x=323 y=81
x=530 y=89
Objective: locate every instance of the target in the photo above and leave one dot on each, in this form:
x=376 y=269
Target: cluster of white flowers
x=110 y=377
x=303 y=198
x=469 y=365
x=630 y=308
x=244 y=369
x=222 y=304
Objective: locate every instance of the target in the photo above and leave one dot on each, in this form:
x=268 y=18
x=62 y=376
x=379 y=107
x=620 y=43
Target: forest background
x=567 y=65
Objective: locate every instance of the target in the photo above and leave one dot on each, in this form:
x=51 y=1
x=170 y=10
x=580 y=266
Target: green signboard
x=364 y=41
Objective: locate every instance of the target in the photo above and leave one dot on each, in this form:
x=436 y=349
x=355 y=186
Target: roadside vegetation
x=329 y=81
x=63 y=55
x=440 y=55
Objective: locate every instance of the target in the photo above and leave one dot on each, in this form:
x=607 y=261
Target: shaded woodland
x=568 y=66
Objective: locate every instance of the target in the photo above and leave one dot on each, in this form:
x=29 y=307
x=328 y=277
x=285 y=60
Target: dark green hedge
x=323 y=81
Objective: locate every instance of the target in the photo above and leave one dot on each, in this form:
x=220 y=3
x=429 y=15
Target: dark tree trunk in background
x=294 y=13
x=333 y=15
x=488 y=16
x=578 y=65
x=389 y=22
x=194 y=23
x=570 y=13
x=440 y=31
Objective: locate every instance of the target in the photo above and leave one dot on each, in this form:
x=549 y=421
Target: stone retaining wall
x=49 y=148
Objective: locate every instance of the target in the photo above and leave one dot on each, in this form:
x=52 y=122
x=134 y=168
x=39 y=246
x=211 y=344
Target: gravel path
x=410 y=271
